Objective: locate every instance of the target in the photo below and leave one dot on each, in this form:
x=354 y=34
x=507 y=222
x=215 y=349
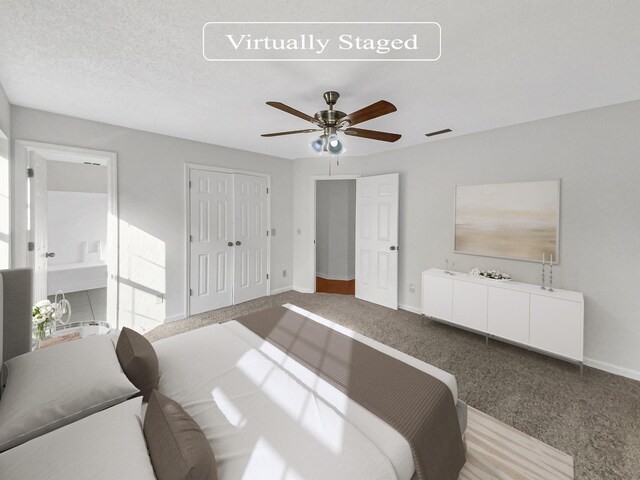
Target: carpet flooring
x=595 y=417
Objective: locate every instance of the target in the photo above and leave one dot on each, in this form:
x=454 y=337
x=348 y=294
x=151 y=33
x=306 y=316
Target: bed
x=262 y=413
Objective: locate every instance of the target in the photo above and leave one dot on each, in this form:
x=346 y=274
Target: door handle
x=230 y=244
x=49 y=254
x=392 y=247
x=238 y=242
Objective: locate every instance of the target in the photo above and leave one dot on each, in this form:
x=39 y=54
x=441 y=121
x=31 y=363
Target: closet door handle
x=230 y=244
x=238 y=242
x=50 y=254
x=392 y=248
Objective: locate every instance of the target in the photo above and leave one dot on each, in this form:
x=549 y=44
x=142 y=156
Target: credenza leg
x=486 y=340
x=581 y=368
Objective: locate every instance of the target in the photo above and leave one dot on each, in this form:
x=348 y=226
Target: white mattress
x=267 y=416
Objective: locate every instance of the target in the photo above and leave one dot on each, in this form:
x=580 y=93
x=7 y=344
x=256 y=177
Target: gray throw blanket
x=417 y=405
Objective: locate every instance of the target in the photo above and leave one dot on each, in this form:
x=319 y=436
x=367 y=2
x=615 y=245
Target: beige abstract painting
x=508 y=220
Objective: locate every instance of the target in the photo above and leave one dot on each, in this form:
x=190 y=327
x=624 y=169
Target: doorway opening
x=335 y=228
x=77 y=207
x=70 y=228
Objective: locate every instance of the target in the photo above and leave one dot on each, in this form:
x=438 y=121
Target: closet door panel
x=211 y=229
x=250 y=199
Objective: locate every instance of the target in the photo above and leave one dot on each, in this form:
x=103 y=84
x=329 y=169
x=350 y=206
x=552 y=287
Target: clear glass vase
x=42 y=331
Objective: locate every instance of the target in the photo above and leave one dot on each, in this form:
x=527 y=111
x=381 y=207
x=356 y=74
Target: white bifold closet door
x=228 y=234
x=250 y=199
x=377 y=239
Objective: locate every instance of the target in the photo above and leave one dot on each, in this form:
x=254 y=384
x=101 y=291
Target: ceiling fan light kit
x=331 y=122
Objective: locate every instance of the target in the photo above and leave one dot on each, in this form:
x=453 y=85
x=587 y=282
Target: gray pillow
x=178 y=447
x=49 y=388
x=138 y=360
x=108 y=445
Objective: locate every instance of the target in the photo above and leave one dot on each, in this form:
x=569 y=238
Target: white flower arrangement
x=492 y=274
x=44 y=317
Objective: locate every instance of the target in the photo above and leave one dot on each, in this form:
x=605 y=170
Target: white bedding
x=267 y=416
x=107 y=445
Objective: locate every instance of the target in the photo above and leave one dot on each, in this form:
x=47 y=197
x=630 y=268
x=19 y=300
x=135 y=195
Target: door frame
x=314 y=180
x=21 y=235
x=187 y=222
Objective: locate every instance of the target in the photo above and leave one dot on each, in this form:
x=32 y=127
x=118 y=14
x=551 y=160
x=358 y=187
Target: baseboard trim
x=303 y=290
x=615 y=369
x=281 y=290
x=173 y=318
x=409 y=308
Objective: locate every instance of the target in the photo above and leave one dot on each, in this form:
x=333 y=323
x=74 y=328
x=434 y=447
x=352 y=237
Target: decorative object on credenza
x=508 y=220
x=551 y=274
x=447 y=265
x=542 y=286
x=492 y=274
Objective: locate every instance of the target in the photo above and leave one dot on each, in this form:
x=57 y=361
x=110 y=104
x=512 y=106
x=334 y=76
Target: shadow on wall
x=4 y=201
x=142 y=279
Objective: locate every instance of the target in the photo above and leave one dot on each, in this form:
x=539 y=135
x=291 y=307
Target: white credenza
x=549 y=322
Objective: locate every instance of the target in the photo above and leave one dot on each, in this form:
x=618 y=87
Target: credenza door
x=556 y=326
x=508 y=314
x=470 y=305
x=437 y=295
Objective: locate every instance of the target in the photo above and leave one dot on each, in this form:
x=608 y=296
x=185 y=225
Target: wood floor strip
x=343 y=287
x=496 y=451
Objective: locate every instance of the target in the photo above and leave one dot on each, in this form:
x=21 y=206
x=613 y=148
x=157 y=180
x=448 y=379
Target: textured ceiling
x=139 y=64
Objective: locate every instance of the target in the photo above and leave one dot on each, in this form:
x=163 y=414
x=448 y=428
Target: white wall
x=77 y=209
x=76 y=177
x=335 y=229
x=72 y=219
x=5 y=172
x=151 y=203
x=596 y=153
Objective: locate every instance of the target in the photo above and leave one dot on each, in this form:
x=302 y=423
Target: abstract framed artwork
x=508 y=220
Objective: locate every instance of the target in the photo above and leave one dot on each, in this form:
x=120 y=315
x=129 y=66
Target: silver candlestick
x=551 y=274
x=542 y=286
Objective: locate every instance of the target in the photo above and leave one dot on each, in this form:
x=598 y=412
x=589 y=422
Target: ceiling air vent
x=438 y=132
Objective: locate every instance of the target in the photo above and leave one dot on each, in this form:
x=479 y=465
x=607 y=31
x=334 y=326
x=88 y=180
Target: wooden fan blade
x=374 y=110
x=372 y=134
x=292 y=111
x=291 y=132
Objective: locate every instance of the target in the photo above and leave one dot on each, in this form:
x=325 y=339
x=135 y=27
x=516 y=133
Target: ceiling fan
x=331 y=121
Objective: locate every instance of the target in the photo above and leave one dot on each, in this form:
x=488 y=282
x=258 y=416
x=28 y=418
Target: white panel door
x=377 y=239
x=508 y=314
x=470 y=305
x=250 y=199
x=556 y=326
x=212 y=248
x=437 y=297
